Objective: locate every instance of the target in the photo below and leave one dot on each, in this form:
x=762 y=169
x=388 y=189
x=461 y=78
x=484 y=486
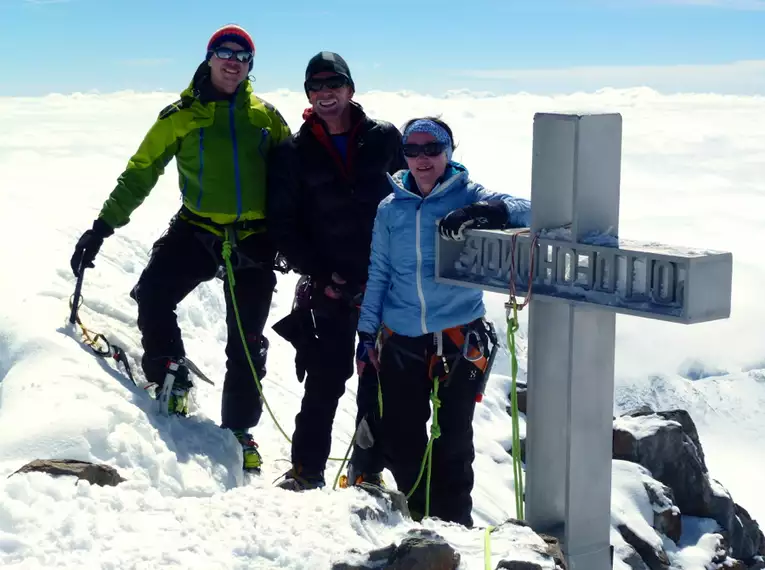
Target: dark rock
x=515 y=565
x=667 y=518
x=419 y=550
x=642 y=410
x=521 y=523
x=672 y=458
x=375 y=560
x=721 y=552
x=395 y=501
x=551 y=550
x=554 y=550
x=633 y=560
x=370 y=513
x=672 y=452
x=654 y=559
x=424 y=550
x=95 y=474
x=684 y=419
x=741 y=532
x=669 y=523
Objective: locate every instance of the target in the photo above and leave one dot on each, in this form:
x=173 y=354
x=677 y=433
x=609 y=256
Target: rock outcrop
x=421 y=549
x=95 y=474
x=668 y=445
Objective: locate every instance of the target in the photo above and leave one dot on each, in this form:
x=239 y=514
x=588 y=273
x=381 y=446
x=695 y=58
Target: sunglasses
x=335 y=82
x=227 y=53
x=428 y=149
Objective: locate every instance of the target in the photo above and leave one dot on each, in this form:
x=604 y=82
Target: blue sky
x=428 y=46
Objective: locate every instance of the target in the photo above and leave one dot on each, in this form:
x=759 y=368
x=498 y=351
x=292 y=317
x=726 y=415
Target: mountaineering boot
x=173 y=393
x=250 y=454
x=296 y=480
x=355 y=478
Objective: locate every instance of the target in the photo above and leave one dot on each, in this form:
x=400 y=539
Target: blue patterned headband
x=432 y=128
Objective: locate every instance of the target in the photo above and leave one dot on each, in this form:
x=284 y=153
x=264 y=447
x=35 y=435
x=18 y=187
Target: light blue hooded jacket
x=401 y=290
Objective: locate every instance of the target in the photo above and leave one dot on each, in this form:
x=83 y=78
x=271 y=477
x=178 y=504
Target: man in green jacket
x=220 y=134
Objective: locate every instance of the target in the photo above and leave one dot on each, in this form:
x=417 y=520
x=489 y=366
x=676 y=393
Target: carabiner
x=466 y=346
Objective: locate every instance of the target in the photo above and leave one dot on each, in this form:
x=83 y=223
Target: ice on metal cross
x=581 y=275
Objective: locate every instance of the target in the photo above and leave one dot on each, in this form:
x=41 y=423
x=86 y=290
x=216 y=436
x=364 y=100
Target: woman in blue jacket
x=424 y=329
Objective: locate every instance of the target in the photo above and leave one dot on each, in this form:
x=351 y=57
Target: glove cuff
x=367 y=337
x=102 y=229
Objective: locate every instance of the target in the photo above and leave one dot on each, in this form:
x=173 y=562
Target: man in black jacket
x=324 y=185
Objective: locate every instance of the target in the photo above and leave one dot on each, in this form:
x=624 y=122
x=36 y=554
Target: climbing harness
x=471 y=348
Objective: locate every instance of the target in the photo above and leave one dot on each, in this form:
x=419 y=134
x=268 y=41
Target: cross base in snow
x=580 y=276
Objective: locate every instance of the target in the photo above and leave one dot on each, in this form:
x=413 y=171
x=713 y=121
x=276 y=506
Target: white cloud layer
x=739 y=77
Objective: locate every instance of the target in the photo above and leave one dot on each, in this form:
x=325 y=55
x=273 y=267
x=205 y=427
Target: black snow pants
x=323 y=332
x=185 y=256
x=407 y=382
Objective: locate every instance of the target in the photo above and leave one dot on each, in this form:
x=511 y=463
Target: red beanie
x=231 y=33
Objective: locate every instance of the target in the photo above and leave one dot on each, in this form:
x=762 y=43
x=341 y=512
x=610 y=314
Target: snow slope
x=692 y=175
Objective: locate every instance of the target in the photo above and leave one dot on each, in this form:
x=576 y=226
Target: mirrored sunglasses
x=334 y=82
x=428 y=149
x=227 y=53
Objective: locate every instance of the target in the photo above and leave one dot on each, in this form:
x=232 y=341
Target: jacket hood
x=455 y=177
x=201 y=88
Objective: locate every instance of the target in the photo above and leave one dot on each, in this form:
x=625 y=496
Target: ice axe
x=77 y=293
x=106 y=348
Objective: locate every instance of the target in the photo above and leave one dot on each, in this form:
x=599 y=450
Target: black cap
x=328 y=61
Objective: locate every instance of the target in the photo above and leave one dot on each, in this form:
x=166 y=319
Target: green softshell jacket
x=220 y=149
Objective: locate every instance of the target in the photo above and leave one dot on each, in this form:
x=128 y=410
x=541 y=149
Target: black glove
x=478 y=216
x=87 y=247
x=366 y=352
x=339 y=289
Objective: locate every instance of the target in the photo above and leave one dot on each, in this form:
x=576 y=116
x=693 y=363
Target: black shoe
x=296 y=480
x=355 y=478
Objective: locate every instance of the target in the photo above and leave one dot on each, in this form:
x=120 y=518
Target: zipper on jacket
x=201 y=165
x=263 y=142
x=236 y=161
x=420 y=294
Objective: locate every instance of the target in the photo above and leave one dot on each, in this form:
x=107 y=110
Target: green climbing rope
x=427 y=460
x=487 y=547
x=512 y=328
x=347 y=454
x=226 y=252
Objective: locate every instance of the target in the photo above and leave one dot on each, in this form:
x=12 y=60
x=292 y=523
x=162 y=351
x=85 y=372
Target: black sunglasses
x=334 y=82
x=429 y=149
x=227 y=53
